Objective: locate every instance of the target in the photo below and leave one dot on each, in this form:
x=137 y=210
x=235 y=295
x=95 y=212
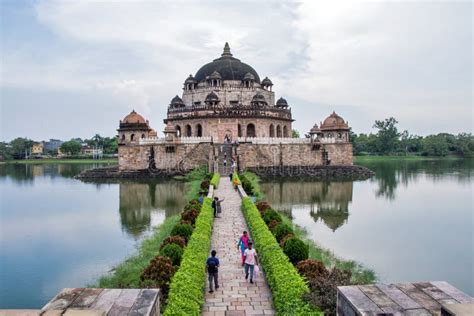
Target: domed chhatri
x=281 y=103
x=177 y=102
x=133 y=118
x=132 y=128
x=334 y=122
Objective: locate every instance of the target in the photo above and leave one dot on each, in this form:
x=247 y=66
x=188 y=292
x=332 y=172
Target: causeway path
x=235 y=296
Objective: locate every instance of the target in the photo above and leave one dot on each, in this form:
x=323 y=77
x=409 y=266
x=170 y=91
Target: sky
x=75 y=68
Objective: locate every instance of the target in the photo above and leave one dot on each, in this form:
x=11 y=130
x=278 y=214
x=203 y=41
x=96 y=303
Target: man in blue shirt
x=212 y=264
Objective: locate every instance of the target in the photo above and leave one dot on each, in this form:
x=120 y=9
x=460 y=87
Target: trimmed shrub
x=271 y=215
x=182 y=222
x=158 y=274
x=285 y=238
x=177 y=240
x=296 y=249
x=186 y=294
x=281 y=230
x=273 y=223
x=286 y=284
x=324 y=289
x=215 y=180
x=190 y=216
x=174 y=252
x=246 y=185
x=193 y=206
x=183 y=230
x=312 y=269
x=262 y=207
x=205 y=185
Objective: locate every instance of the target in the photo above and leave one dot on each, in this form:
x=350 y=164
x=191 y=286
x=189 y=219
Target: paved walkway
x=235 y=295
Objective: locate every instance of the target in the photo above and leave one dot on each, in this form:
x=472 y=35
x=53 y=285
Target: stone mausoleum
x=226 y=111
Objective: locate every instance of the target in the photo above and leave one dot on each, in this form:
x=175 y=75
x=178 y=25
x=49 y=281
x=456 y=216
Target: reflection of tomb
x=328 y=201
x=139 y=200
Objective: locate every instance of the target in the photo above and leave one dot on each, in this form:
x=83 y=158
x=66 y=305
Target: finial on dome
x=226 y=52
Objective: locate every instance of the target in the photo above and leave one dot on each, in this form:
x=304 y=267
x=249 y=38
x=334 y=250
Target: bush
x=177 y=240
x=186 y=294
x=273 y=224
x=196 y=206
x=190 y=215
x=183 y=230
x=312 y=269
x=324 y=289
x=271 y=215
x=174 y=252
x=285 y=238
x=281 y=230
x=286 y=284
x=182 y=222
x=262 y=207
x=296 y=249
x=158 y=274
x=246 y=185
x=205 y=185
x=215 y=180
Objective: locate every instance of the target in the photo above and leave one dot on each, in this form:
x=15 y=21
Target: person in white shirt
x=250 y=261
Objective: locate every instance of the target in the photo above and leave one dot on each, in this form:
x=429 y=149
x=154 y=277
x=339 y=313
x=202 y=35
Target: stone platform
x=420 y=298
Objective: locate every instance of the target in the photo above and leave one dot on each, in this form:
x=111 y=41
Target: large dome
x=228 y=67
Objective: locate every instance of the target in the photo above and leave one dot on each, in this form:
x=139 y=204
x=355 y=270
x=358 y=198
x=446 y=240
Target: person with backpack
x=212 y=265
x=251 y=261
x=243 y=244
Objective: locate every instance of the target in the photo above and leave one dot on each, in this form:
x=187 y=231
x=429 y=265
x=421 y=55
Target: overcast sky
x=75 y=68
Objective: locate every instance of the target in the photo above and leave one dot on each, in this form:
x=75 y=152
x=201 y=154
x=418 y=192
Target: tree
x=295 y=134
x=72 y=147
x=387 y=135
x=5 y=151
x=435 y=145
x=19 y=146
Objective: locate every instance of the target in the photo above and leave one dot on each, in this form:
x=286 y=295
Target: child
x=212 y=264
x=243 y=244
x=250 y=261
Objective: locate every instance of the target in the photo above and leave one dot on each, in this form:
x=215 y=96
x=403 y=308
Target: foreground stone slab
x=419 y=298
x=101 y=302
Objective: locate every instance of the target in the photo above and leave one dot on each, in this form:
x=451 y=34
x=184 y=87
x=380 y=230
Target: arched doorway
x=285 y=131
x=272 y=131
x=278 y=131
x=239 y=130
x=189 y=131
x=228 y=136
x=178 y=130
x=251 y=130
x=132 y=137
x=199 y=130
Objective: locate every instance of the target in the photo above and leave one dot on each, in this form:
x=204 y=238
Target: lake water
x=56 y=231
x=413 y=221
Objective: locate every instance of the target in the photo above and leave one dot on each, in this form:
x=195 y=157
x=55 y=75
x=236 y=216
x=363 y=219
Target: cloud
x=366 y=60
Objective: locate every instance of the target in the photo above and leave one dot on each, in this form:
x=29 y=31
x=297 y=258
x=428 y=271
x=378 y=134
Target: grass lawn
x=72 y=161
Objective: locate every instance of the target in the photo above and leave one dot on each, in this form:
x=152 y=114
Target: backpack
x=211 y=265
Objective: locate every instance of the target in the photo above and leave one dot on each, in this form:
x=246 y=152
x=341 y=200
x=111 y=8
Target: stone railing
x=182 y=140
x=274 y=140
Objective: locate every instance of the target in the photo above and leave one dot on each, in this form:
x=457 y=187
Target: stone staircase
x=225 y=153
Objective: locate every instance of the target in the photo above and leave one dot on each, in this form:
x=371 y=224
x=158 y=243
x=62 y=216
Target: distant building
x=92 y=151
x=37 y=148
x=52 y=145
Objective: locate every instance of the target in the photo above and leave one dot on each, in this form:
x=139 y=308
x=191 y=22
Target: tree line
x=17 y=148
x=388 y=140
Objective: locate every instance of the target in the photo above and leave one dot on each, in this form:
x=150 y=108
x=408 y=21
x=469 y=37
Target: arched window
x=285 y=131
x=251 y=130
x=239 y=130
x=132 y=137
x=178 y=130
x=278 y=131
x=143 y=135
x=123 y=137
x=272 y=130
x=199 y=130
x=189 y=131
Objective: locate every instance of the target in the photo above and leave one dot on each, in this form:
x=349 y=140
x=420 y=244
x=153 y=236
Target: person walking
x=243 y=244
x=212 y=265
x=250 y=261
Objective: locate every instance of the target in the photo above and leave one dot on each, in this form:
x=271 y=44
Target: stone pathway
x=235 y=295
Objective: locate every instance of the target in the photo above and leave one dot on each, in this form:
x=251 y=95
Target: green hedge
x=286 y=284
x=215 y=180
x=186 y=295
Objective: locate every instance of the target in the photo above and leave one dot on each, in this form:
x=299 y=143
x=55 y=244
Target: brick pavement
x=235 y=295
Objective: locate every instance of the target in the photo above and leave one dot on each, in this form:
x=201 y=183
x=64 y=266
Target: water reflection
x=328 y=202
x=139 y=200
